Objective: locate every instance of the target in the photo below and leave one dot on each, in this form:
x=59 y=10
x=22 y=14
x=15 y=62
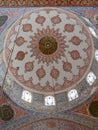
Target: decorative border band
x=26 y=3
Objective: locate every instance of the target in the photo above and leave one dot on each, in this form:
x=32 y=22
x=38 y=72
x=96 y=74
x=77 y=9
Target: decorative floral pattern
x=40 y=20
x=30 y=3
x=56 y=19
x=58 y=51
x=19 y=41
x=68 y=28
x=54 y=73
x=55 y=123
x=28 y=120
x=75 y=55
x=29 y=66
x=27 y=27
x=20 y=55
x=51 y=124
x=40 y=73
x=76 y=40
x=49 y=48
x=67 y=66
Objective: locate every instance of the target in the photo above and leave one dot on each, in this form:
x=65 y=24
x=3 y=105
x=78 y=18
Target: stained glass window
x=93 y=32
x=96 y=55
x=72 y=94
x=26 y=96
x=91 y=78
x=8 y=80
x=49 y=101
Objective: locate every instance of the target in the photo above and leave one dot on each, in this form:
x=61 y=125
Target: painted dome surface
x=54 y=124
x=52 y=50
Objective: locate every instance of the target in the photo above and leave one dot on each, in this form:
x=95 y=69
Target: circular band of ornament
x=53 y=50
x=6 y=112
x=93 y=108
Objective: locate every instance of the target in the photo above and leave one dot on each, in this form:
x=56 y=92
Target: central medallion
x=48 y=45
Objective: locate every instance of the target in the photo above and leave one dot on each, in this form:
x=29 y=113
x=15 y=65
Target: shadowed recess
x=3 y=19
x=93 y=108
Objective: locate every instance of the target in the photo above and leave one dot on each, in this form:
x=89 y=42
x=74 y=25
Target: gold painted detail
x=48 y=45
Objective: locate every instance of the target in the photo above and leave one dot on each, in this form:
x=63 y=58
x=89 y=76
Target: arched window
x=49 y=101
x=26 y=96
x=93 y=32
x=96 y=55
x=8 y=80
x=72 y=94
x=91 y=78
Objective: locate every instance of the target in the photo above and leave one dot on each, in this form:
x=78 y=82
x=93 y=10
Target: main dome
x=50 y=49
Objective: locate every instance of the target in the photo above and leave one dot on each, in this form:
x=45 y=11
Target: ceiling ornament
x=6 y=112
x=52 y=43
x=25 y=3
x=54 y=124
x=47 y=42
x=47 y=45
x=93 y=107
x=52 y=57
x=3 y=20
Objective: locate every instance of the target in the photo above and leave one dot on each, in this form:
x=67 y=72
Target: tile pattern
x=38 y=99
x=25 y=120
x=62 y=102
x=17 y=3
x=54 y=124
x=23 y=117
x=84 y=109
